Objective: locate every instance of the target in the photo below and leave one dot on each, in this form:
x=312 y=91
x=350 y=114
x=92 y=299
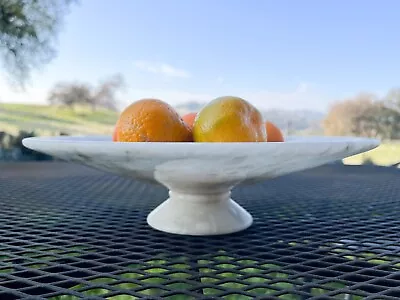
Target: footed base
x=205 y=214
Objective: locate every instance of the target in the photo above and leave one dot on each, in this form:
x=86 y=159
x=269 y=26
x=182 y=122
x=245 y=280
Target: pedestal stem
x=206 y=213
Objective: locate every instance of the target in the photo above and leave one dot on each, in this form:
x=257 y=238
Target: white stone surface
x=201 y=175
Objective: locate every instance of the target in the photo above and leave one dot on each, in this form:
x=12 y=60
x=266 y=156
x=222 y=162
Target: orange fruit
x=189 y=119
x=229 y=119
x=274 y=134
x=115 y=134
x=151 y=120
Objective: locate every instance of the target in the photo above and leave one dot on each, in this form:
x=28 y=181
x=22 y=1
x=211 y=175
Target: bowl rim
x=107 y=139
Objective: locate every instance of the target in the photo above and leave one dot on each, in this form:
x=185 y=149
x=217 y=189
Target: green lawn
x=386 y=154
x=48 y=120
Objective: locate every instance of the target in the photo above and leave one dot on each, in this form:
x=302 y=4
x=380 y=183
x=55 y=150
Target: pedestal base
x=199 y=214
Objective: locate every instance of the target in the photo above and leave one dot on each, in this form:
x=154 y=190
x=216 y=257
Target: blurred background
x=311 y=67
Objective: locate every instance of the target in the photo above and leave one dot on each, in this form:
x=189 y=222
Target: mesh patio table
x=70 y=232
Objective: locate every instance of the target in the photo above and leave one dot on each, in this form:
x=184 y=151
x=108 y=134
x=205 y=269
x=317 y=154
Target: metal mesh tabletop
x=69 y=232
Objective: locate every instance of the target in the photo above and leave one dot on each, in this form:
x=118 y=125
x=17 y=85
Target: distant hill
x=304 y=122
x=296 y=121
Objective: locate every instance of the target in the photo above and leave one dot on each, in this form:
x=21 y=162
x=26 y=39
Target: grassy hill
x=49 y=120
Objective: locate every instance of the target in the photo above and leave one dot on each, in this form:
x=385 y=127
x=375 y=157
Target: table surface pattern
x=70 y=232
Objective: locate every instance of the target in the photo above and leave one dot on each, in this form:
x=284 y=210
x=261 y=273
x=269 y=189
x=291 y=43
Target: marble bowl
x=200 y=176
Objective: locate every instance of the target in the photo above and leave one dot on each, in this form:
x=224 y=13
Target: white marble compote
x=200 y=176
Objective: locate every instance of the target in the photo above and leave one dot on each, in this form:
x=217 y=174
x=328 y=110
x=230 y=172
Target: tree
x=392 y=99
x=78 y=93
x=363 y=115
x=379 y=121
x=105 y=94
x=28 y=29
x=342 y=116
x=70 y=94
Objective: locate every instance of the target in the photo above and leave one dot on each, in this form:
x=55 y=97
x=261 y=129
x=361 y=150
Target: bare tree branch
x=77 y=93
